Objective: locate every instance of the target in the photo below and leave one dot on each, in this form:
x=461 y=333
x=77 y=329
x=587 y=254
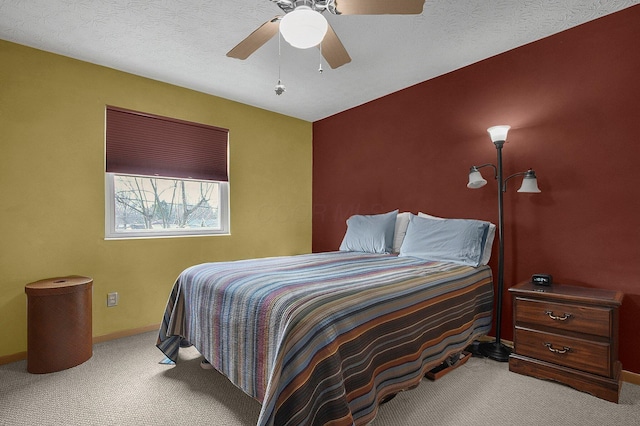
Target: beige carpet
x=124 y=384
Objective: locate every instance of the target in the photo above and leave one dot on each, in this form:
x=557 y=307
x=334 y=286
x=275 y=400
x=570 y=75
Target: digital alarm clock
x=541 y=279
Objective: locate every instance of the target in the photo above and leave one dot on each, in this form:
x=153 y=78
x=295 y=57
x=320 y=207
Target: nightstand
x=568 y=334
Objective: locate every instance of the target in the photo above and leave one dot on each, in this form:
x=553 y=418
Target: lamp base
x=495 y=350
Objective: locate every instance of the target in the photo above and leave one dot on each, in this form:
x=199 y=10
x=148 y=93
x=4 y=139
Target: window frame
x=153 y=146
x=110 y=214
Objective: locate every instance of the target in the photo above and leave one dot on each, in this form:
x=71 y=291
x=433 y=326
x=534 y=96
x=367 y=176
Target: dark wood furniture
x=568 y=334
x=448 y=366
x=59 y=329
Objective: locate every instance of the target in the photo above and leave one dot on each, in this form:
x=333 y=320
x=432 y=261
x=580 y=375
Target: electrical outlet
x=112 y=299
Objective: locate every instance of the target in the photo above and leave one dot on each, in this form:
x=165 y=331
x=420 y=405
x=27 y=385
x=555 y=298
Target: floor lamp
x=496 y=350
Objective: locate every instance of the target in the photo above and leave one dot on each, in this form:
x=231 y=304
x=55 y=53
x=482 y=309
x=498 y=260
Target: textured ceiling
x=184 y=42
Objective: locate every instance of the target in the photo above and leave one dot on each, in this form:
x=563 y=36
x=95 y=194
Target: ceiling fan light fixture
x=304 y=27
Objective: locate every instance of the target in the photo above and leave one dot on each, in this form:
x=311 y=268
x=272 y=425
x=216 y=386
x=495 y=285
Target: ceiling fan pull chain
x=280 y=89
x=320 y=70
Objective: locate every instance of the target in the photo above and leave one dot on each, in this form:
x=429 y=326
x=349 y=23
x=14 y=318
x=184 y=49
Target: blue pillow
x=487 y=239
x=370 y=233
x=447 y=240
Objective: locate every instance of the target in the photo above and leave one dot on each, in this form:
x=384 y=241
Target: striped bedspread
x=322 y=338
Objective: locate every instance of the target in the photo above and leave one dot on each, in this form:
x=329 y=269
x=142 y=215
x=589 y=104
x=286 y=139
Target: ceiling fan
x=304 y=26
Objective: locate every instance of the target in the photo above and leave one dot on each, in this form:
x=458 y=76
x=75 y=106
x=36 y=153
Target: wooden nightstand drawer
x=582 y=319
x=580 y=354
x=568 y=334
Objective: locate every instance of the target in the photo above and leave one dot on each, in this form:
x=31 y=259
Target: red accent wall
x=573 y=101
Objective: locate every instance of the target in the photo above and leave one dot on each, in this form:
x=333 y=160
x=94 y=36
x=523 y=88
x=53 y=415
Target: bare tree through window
x=152 y=203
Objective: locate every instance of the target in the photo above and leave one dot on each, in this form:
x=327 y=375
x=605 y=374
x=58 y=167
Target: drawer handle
x=564 y=350
x=564 y=317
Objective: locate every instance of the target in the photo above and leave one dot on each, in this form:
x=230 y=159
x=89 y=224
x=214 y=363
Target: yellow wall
x=52 y=188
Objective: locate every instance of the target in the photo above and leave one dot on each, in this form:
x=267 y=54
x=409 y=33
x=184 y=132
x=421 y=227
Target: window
x=164 y=177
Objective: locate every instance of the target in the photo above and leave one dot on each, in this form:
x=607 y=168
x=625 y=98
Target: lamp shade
x=529 y=183
x=475 y=179
x=498 y=133
x=303 y=27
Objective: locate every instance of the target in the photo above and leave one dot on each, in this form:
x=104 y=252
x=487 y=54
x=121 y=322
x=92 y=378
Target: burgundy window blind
x=146 y=144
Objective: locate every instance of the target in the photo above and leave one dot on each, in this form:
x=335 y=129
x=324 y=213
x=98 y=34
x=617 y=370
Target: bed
x=324 y=338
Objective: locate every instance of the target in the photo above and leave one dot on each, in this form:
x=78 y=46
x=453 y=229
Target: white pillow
x=446 y=240
x=488 y=240
x=402 y=222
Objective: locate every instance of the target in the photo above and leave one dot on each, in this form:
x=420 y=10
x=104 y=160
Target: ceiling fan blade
x=380 y=7
x=256 y=39
x=333 y=50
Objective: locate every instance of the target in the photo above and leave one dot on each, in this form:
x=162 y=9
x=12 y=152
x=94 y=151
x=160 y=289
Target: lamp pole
x=496 y=350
